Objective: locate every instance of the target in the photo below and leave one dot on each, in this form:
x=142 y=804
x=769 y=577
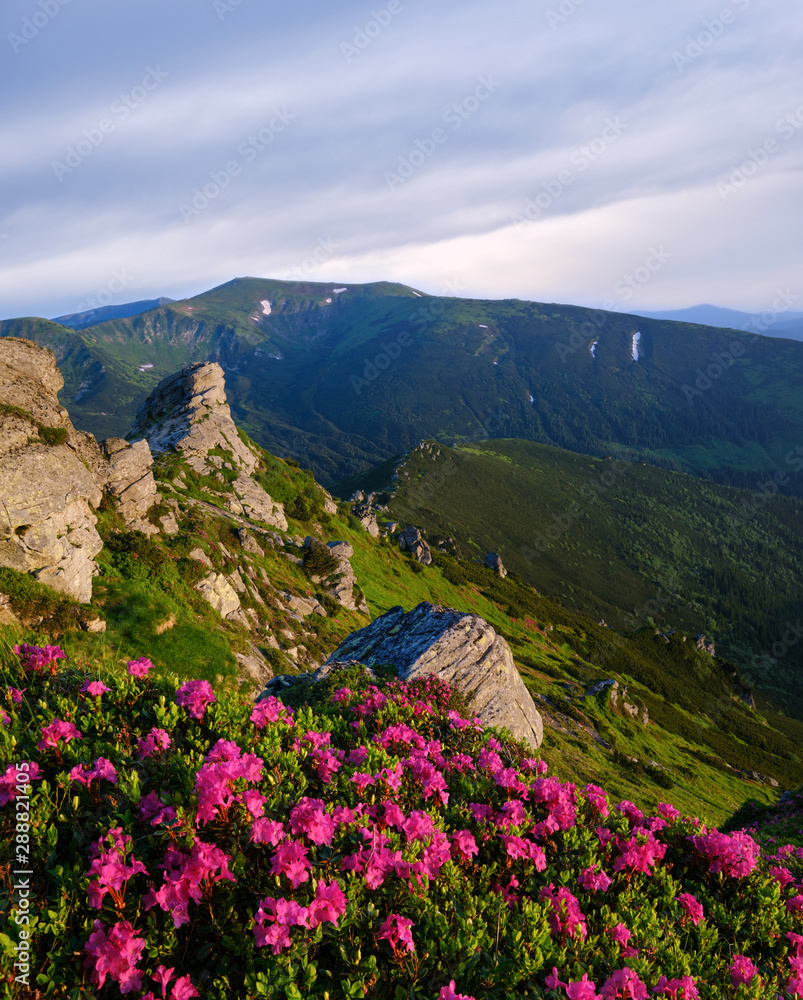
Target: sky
x=626 y=155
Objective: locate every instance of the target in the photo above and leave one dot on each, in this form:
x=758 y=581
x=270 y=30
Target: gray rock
x=461 y=649
x=251 y=501
x=220 y=594
x=254 y=665
x=408 y=538
x=201 y=556
x=494 y=561
x=47 y=492
x=249 y=542
x=129 y=480
x=188 y=411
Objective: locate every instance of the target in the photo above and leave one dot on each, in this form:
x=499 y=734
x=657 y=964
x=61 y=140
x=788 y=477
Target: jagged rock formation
x=410 y=540
x=461 y=649
x=188 y=411
x=46 y=491
x=494 y=561
x=339 y=581
x=129 y=479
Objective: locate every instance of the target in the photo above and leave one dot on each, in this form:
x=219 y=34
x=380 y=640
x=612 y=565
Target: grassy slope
x=627 y=542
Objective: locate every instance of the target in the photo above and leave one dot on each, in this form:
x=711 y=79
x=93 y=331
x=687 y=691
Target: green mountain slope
x=343 y=379
x=627 y=542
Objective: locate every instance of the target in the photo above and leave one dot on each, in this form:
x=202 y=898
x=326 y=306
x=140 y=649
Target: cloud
x=412 y=136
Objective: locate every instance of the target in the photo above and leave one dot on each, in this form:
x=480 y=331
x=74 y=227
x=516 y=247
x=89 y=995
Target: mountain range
x=341 y=378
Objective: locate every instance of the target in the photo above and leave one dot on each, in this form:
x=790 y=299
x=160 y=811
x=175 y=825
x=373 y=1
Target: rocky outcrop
x=461 y=649
x=410 y=540
x=494 y=561
x=47 y=492
x=217 y=589
x=339 y=581
x=129 y=480
x=188 y=411
x=251 y=501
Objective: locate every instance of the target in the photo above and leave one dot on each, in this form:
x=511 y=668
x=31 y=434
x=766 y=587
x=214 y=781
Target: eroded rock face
x=217 y=589
x=494 y=561
x=251 y=501
x=461 y=649
x=47 y=525
x=129 y=479
x=188 y=411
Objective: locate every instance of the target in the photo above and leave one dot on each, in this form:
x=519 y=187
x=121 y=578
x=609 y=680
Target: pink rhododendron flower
x=418 y=825
x=329 y=904
x=290 y=859
x=582 y=989
x=95 y=688
x=735 y=854
x=16 y=694
x=215 y=779
x=183 y=989
x=140 y=668
x=566 y=917
x=634 y=815
x=270 y=709
x=742 y=970
x=397 y=931
x=195 y=696
x=183 y=878
x=692 y=907
x=55 y=731
x=593 y=880
x=115 y=955
x=620 y=934
x=795 y=904
x=670 y=814
x=624 y=984
x=272 y=920
x=464 y=845
x=37 y=658
x=157 y=739
x=341 y=695
x=5 y=718
x=597 y=799
x=102 y=768
x=781 y=875
x=677 y=989
x=108 y=872
x=153 y=810
x=639 y=853
x=15 y=780
x=163 y=976
x=310 y=819
x=448 y=993
x=267 y=831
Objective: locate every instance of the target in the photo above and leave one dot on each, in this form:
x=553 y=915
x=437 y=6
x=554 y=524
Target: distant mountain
x=341 y=378
x=82 y=320
x=772 y=324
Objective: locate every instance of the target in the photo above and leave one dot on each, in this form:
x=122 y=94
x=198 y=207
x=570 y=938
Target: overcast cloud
x=632 y=154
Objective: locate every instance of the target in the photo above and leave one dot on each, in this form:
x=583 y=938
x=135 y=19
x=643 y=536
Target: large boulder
x=47 y=492
x=461 y=649
x=129 y=480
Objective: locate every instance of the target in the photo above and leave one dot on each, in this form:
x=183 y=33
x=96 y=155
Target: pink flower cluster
x=270 y=709
x=565 y=918
x=55 y=731
x=38 y=658
x=398 y=932
x=115 y=954
x=195 y=696
x=185 y=875
x=13 y=776
x=95 y=688
x=275 y=917
x=226 y=764
x=140 y=668
x=733 y=854
x=102 y=768
x=157 y=739
x=108 y=872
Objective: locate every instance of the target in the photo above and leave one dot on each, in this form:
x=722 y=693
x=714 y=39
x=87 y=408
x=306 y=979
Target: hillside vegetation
x=628 y=542
x=341 y=380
